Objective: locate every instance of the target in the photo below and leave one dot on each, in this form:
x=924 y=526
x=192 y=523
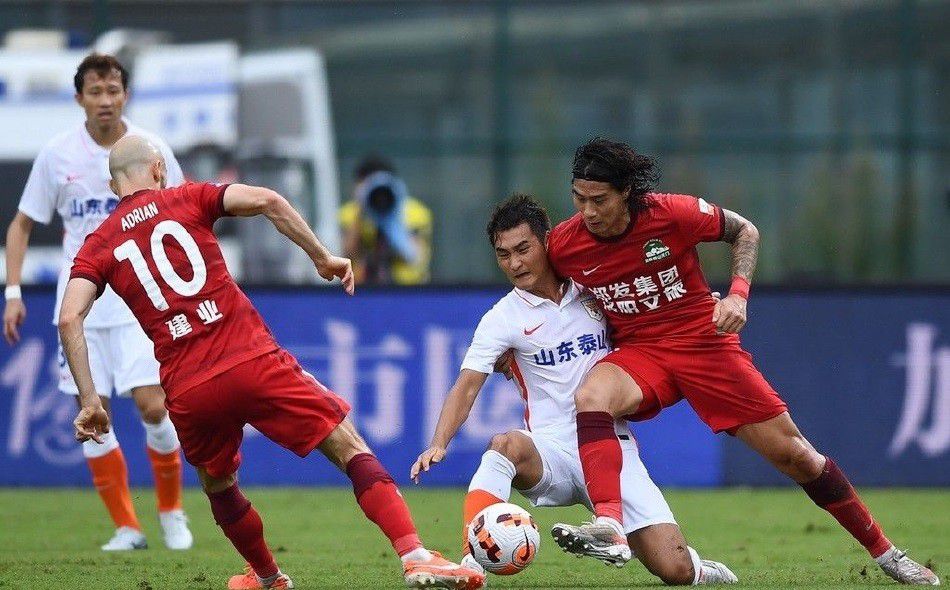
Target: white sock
x=93 y=450
x=417 y=554
x=494 y=475
x=697 y=565
x=161 y=437
x=612 y=522
x=884 y=557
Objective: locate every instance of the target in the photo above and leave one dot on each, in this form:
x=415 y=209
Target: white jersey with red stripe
x=555 y=345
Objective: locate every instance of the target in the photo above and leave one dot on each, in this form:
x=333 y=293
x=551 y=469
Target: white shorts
x=562 y=483
x=121 y=358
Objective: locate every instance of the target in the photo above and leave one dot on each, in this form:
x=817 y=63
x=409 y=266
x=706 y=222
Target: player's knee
x=799 y=460
x=590 y=399
x=506 y=445
x=153 y=413
x=675 y=572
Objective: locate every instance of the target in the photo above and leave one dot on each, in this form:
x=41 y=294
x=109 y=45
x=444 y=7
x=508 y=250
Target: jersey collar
x=569 y=288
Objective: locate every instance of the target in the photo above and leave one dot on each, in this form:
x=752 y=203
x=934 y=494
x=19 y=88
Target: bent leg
x=783 y=445
x=662 y=549
x=375 y=491
x=607 y=392
x=511 y=458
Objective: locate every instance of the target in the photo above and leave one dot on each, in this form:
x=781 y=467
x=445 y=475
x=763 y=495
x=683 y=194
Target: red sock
x=242 y=525
x=378 y=497
x=602 y=461
x=832 y=491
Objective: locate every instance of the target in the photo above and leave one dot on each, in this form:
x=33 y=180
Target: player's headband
x=594 y=173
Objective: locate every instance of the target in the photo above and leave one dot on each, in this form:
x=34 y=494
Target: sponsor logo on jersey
x=655 y=250
x=705 y=207
x=592 y=309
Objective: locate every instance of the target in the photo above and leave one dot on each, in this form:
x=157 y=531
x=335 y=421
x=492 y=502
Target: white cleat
x=472 y=564
x=126 y=539
x=714 y=572
x=175 y=530
x=600 y=541
x=905 y=570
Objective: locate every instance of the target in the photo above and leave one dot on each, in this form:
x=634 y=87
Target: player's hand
x=13 y=315
x=338 y=267
x=91 y=423
x=503 y=364
x=427 y=459
x=730 y=314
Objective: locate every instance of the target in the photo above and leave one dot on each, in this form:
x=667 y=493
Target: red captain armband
x=740 y=287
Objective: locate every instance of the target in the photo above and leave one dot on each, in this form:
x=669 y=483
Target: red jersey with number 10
x=158 y=252
x=647 y=280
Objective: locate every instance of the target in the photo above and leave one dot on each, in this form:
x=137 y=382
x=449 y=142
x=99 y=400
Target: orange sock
x=110 y=475
x=475 y=502
x=167 y=471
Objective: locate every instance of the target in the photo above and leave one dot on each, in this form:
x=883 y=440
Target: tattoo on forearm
x=744 y=238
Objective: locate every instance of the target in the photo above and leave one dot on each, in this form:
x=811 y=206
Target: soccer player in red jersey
x=220 y=366
x=635 y=250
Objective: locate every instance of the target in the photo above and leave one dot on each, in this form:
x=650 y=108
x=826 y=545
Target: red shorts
x=717 y=378
x=272 y=394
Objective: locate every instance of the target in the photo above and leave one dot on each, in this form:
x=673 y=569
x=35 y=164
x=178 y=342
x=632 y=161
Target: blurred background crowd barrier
x=826 y=123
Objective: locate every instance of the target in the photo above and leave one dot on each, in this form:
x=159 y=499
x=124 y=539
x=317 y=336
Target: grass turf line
x=49 y=539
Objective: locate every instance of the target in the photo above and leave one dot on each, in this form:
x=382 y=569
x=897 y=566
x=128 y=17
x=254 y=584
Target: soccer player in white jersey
x=557 y=333
x=70 y=176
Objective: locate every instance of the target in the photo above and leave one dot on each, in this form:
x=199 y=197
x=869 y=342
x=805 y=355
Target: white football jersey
x=70 y=176
x=555 y=346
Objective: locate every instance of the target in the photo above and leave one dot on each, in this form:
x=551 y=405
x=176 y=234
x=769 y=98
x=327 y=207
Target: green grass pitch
x=771 y=538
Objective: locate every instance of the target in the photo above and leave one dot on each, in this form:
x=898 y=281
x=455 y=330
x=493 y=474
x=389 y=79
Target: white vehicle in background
x=262 y=118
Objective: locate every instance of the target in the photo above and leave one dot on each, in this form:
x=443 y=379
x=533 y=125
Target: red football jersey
x=158 y=252
x=647 y=280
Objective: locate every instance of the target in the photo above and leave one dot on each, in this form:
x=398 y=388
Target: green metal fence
x=827 y=123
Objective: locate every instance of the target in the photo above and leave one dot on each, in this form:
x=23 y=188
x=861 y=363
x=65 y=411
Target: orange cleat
x=249 y=581
x=439 y=572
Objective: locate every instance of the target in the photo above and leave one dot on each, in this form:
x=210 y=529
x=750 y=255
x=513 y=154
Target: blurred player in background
x=636 y=251
x=220 y=364
x=558 y=334
x=71 y=177
x=386 y=232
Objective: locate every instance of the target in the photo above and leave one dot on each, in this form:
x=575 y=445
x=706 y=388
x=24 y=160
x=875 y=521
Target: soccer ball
x=503 y=538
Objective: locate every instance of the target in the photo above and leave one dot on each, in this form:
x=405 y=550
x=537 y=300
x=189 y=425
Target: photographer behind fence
x=386 y=232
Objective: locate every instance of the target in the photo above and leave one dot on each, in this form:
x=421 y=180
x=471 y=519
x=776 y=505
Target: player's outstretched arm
x=455 y=411
x=92 y=420
x=730 y=312
x=18 y=238
x=247 y=201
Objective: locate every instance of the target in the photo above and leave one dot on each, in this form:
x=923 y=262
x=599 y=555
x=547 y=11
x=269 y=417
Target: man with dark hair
x=71 y=177
x=636 y=251
x=557 y=334
x=386 y=232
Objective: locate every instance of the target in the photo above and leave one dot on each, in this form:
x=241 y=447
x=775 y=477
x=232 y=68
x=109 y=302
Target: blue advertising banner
x=392 y=354
x=866 y=375
x=866 y=378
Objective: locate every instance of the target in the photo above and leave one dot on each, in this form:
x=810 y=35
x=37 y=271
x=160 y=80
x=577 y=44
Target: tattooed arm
x=730 y=312
x=744 y=238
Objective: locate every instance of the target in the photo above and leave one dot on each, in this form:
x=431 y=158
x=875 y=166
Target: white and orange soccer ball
x=503 y=538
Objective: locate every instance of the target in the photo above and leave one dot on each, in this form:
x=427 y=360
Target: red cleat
x=439 y=572
x=249 y=581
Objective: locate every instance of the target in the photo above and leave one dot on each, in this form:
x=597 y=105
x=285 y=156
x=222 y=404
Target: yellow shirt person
x=387 y=233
